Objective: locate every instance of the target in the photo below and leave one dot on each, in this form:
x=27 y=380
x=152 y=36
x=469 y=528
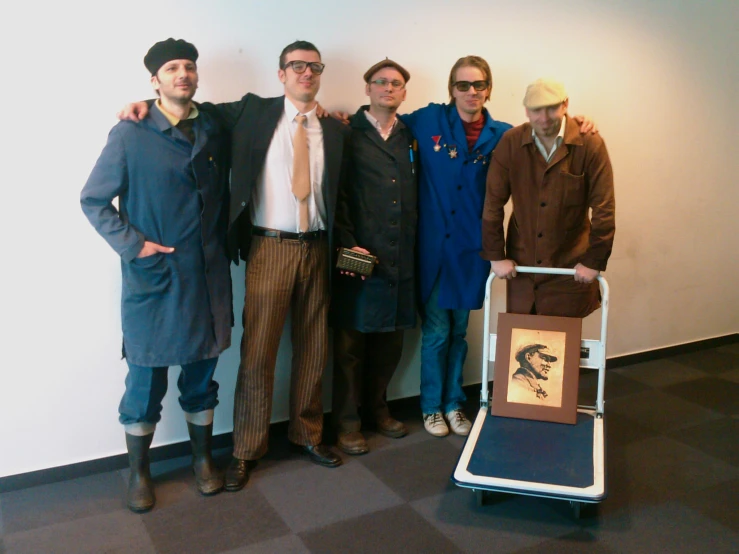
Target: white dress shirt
x=377 y=125
x=273 y=204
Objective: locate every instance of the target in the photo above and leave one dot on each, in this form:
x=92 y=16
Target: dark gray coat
x=175 y=308
x=378 y=210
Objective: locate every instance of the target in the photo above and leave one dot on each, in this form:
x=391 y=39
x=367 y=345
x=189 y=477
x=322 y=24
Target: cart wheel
x=576 y=507
x=480 y=497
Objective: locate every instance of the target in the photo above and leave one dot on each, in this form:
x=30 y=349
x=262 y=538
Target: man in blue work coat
x=170 y=177
x=455 y=141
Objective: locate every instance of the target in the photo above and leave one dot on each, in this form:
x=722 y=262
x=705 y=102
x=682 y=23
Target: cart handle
x=604 y=291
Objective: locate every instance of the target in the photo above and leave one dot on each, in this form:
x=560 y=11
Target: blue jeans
x=443 y=351
x=146 y=387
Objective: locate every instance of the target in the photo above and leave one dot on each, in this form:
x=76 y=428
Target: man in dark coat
x=286 y=242
x=170 y=177
x=377 y=213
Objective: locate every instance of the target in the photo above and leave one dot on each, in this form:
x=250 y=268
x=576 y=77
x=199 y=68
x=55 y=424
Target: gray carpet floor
x=673 y=482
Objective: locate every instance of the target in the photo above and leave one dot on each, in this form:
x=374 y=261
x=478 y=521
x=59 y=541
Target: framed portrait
x=537 y=367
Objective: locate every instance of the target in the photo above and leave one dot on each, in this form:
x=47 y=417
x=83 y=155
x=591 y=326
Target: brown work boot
x=391 y=428
x=352 y=443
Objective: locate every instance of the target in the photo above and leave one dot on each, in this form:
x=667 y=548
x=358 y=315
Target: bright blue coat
x=451 y=193
x=175 y=308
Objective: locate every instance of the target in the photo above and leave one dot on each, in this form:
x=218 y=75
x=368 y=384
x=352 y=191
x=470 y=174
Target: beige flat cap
x=544 y=92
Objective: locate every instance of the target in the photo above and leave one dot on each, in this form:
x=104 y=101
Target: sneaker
x=435 y=424
x=459 y=422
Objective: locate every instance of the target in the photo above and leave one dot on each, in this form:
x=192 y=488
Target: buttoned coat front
x=451 y=191
x=175 y=308
x=550 y=225
x=378 y=210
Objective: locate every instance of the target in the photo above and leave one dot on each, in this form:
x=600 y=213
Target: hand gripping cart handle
x=539 y=458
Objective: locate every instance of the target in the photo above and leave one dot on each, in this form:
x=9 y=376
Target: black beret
x=168 y=50
x=383 y=64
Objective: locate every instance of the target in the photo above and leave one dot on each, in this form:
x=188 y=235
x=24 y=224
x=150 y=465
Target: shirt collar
x=174 y=120
x=291 y=111
x=376 y=124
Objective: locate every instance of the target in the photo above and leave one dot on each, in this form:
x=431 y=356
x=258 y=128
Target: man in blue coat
x=455 y=141
x=169 y=174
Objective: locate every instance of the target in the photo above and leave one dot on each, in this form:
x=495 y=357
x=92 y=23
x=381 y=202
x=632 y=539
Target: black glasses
x=299 y=66
x=384 y=82
x=464 y=86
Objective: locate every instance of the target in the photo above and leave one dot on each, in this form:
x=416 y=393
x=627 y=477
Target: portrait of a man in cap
x=530 y=383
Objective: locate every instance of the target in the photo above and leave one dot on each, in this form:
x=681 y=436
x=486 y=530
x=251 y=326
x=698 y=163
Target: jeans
x=146 y=387
x=443 y=352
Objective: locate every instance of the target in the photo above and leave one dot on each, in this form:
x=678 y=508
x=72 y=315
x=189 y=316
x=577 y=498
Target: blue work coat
x=175 y=308
x=451 y=194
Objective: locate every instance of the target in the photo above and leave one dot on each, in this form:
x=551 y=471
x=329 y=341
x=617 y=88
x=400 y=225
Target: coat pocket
x=574 y=189
x=148 y=276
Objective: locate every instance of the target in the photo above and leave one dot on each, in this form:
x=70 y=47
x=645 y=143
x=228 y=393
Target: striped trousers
x=282 y=275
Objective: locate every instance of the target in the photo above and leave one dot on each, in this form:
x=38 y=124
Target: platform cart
x=537 y=458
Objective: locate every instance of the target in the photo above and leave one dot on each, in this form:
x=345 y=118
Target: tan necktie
x=301 y=170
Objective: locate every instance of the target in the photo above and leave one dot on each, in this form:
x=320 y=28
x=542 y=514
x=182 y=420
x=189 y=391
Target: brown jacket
x=550 y=225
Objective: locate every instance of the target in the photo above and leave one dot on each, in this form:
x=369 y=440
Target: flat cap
x=542 y=349
x=544 y=92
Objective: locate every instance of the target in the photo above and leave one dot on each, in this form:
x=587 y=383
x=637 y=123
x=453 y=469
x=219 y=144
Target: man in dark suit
x=287 y=166
x=286 y=243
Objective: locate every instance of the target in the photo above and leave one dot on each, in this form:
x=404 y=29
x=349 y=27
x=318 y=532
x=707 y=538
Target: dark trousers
x=364 y=363
x=146 y=387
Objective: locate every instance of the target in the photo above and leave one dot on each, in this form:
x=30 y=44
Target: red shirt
x=473 y=130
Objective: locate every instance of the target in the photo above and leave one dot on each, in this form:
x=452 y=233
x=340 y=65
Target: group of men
x=422 y=192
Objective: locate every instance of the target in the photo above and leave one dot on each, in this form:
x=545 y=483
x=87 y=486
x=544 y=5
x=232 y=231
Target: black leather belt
x=287 y=235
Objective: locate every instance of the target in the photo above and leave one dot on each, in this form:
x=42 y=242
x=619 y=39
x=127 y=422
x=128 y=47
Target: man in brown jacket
x=555 y=176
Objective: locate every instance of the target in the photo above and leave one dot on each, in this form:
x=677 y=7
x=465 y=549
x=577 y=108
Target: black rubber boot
x=140 y=486
x=208 y=479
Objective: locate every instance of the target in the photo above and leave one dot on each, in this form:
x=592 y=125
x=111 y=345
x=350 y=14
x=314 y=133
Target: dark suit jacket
x=252 y=122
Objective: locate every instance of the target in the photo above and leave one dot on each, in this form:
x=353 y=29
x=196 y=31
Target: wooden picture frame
x=537 y=367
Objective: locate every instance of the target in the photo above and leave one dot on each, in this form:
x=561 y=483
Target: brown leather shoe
x=352 y=443
x=391 y=428
x=237 y=475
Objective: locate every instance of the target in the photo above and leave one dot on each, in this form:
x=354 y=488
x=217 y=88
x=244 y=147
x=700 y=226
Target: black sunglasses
x=299 y=66
x=464 y=86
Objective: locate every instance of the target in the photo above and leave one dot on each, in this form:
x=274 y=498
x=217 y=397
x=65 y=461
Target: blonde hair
x=471 y=61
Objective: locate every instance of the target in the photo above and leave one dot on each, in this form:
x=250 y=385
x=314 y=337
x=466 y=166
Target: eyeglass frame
x=382 y=82
x=471 y=84
x=311 y=64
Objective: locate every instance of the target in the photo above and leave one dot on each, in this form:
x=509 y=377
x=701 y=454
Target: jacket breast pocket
x=147 y=276
x=574 y=189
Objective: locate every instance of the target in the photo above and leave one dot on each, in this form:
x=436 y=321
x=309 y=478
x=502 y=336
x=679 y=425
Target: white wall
x=659 y=76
